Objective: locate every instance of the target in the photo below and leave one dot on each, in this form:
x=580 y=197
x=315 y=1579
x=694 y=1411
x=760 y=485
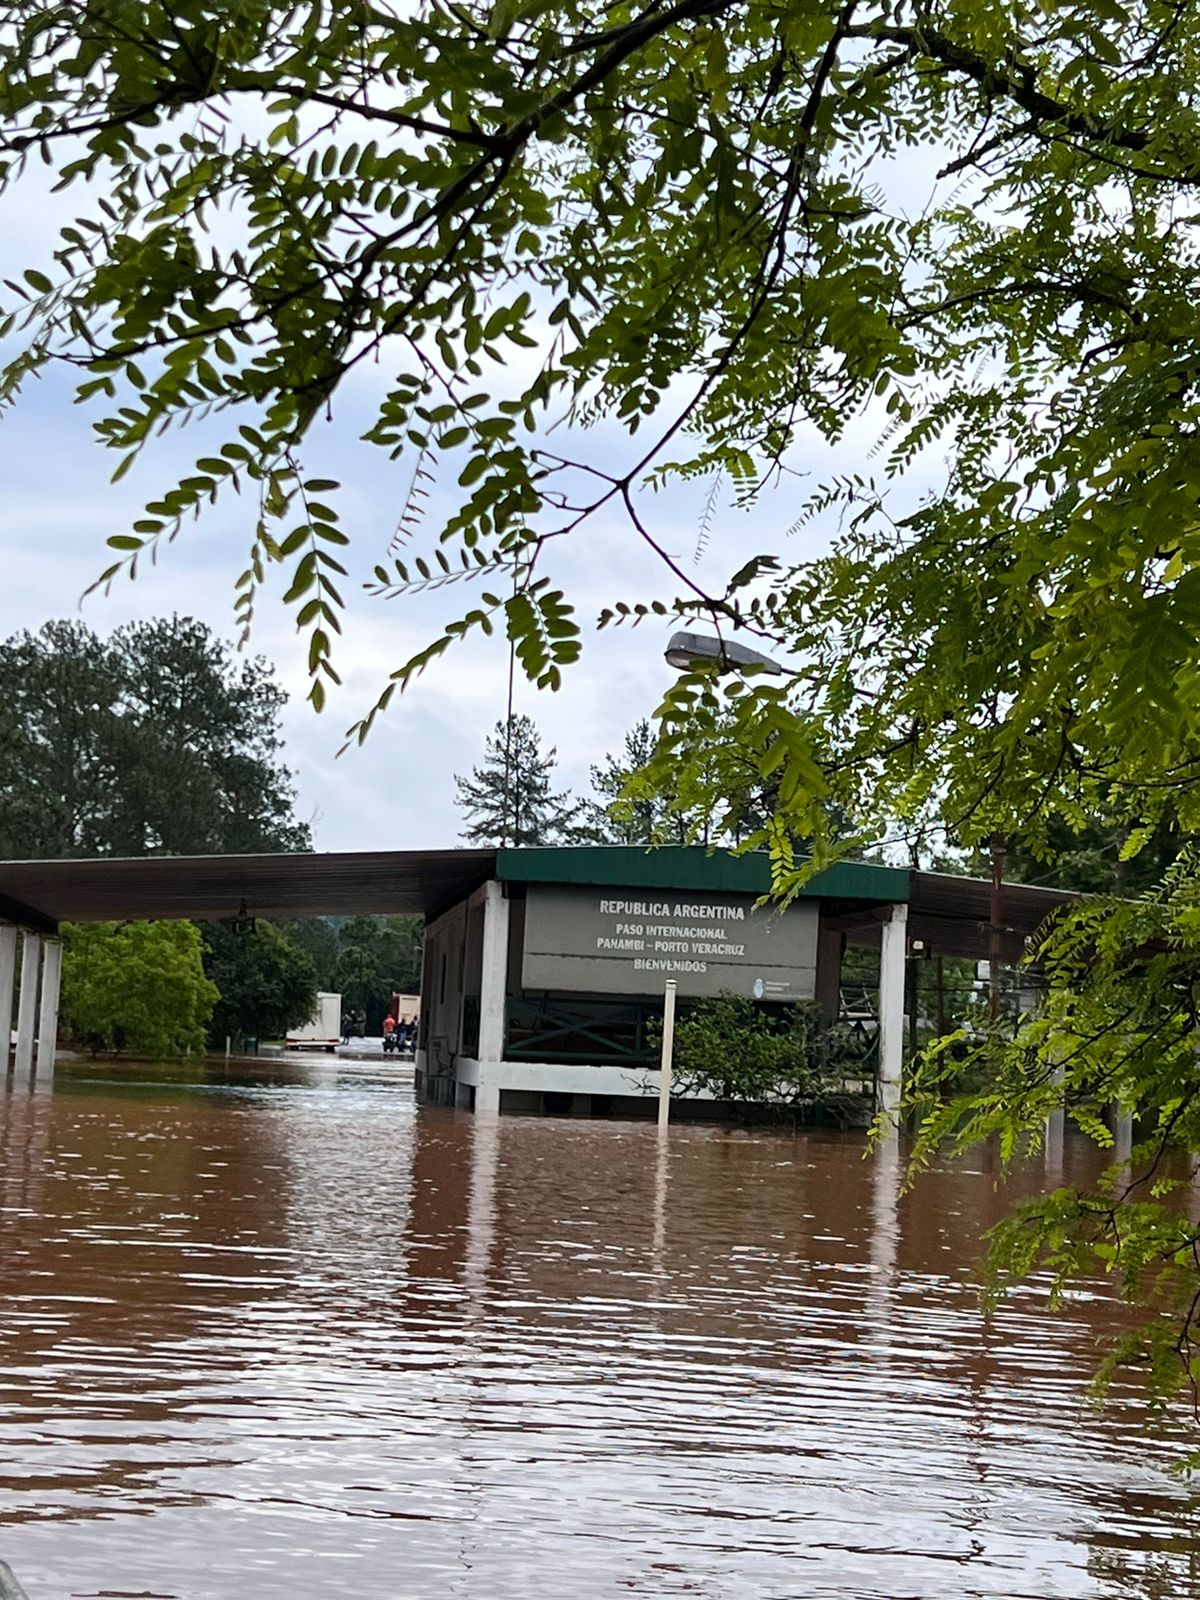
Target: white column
x=52 y=952
x=487 y=1098
x=493 y=977
x=893 y=949
x=668 y=1051
x=31 y=960
x=8 y=972
x=493 y=998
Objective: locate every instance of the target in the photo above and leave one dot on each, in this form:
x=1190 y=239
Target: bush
x=135 y=986
x=786 y=1059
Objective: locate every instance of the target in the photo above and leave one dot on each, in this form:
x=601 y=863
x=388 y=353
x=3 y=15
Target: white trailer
x=324 y=1032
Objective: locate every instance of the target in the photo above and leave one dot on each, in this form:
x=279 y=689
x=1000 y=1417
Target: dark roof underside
x=208 y=888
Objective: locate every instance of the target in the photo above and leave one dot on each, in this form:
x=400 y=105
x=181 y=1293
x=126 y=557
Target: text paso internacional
x=604 y=941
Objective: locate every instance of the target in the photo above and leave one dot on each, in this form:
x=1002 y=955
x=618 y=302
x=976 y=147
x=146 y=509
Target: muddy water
x=296 y=1337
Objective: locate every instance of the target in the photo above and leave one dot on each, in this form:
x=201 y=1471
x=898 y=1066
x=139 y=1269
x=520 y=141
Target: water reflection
x=295 y=1336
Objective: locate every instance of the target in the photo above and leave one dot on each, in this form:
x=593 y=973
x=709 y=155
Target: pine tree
x=509 y=799
x=613 y=817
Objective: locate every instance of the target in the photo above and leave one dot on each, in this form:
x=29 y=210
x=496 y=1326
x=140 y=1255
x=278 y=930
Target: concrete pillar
x=830 y=942
x=52 y=951
x=8 y=973
x=893 y=951
x=421 y=1054
x=493 y=980
x=31 y=961
x=487 y=1099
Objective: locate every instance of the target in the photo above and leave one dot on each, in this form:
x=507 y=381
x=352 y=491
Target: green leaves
x=1116 y=1033
x=784 y=1063
x=135 y=986
x=544 y=190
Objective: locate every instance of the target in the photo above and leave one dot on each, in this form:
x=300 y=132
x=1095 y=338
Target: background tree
x=199 y=743
x=376 y=957
x=157 y=740
x=723 y=796
x=1091 y=858
x=509 y=798
x=616 y=817
x=395 y=942
x=265 y=982
x=319 y=937
x=59 y=700
x=138 y=987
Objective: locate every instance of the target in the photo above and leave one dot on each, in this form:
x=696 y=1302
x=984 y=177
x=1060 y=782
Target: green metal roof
x=692 y=867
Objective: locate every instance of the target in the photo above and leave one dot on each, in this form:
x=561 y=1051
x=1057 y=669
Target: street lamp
x=685 y=650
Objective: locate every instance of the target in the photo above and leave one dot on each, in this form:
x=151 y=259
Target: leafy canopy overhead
x=696 y=219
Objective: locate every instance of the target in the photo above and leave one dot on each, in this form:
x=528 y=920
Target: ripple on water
x=301 y=1338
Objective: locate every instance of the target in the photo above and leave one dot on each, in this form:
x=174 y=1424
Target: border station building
x=544 y=967
x=539 y=984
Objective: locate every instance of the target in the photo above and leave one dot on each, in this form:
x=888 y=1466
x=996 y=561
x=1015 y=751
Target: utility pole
x=996 y=926
x=508 y=717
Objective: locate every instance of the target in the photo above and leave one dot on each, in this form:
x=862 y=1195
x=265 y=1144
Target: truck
x=324 y=1032
x=406 y=1007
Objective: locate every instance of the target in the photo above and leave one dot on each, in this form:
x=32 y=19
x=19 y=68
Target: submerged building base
x=552 y=1089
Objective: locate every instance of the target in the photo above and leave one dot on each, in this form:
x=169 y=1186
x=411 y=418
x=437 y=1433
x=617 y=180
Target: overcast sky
x=58 y=507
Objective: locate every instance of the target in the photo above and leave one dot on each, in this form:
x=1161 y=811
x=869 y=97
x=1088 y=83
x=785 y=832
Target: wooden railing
x=548 y=1028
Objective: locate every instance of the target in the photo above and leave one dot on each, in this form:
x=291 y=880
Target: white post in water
x=668 y=1050
x=493 y=998
x=8 y=973
x=52 y=952
x=893 y=948
x=31 y=960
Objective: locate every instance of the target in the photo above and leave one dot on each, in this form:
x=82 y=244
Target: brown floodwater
x=292 y=1335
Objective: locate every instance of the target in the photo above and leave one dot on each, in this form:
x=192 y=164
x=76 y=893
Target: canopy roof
x=208 y=888
x=949 y=914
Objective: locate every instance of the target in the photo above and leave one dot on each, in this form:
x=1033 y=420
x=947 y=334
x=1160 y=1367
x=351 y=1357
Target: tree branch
x=1015 y=83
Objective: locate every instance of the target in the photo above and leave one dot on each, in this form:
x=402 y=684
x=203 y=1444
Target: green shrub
x=135 y=986
x=783 y=1058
